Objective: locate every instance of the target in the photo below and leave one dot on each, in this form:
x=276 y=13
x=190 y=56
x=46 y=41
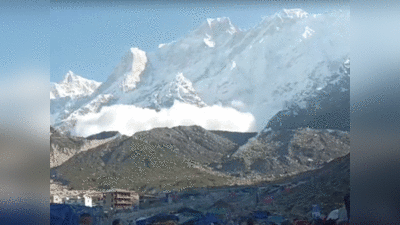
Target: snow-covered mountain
x=73 y=86
x=291 y=56
x=66 y=93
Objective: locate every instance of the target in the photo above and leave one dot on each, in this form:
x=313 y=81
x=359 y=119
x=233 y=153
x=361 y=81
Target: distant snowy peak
x=73 y=86
x=222 y=24
x=135 y=68
x=217 y=27
x=288 y=15
x=293 y=13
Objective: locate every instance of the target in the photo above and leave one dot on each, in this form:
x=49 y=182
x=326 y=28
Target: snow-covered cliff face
x=289 y=57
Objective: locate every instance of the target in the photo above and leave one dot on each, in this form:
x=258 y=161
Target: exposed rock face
x=284 y=152
x=63 y=146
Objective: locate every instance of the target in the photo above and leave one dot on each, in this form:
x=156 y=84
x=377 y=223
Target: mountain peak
x=293 y=13
x=69 y=77
x=135 y=66
x=221 y=20
x=73 y=86
x=215 y=26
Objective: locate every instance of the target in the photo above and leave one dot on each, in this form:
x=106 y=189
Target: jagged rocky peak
x=73 y=86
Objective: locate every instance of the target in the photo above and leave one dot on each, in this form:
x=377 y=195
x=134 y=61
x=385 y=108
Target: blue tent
x=64 y=214
x=261 y=214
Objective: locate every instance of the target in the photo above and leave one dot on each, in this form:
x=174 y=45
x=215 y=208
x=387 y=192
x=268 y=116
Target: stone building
x=120 y=199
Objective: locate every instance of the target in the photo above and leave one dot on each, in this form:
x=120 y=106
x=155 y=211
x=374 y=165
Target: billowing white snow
x=237 y=104
x=128 y=119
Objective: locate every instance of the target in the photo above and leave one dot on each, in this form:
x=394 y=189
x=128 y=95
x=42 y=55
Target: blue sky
x=91 y=38
x=24 y=36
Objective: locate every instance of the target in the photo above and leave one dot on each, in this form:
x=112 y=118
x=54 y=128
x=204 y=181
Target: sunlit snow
x=308 y=32
x=139 y=61
x=73 y=86
x=233 y=65
x=208 y=41
x=295 y=12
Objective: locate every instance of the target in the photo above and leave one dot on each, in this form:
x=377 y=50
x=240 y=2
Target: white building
x=88 y=201
x=55 y=199
x=94 y=199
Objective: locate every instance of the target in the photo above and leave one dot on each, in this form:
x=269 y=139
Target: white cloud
x=128 y=119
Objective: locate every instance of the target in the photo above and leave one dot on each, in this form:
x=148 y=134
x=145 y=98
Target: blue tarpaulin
x=261 y=214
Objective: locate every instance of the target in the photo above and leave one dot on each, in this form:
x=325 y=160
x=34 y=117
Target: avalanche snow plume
x=128 y=119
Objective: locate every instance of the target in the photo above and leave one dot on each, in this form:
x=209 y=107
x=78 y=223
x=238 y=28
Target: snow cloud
x=128 y=119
